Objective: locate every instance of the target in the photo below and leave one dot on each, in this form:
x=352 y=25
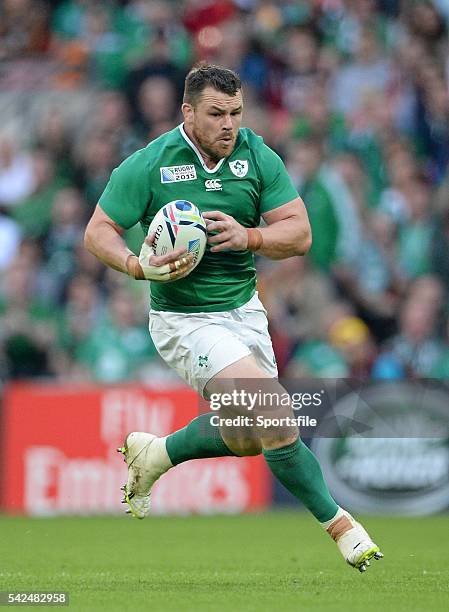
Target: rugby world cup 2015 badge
x=194 y=248
x=174 y=174
x=239 y=167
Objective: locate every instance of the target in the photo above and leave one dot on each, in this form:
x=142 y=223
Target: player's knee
x=243 y=446
x=280 y=439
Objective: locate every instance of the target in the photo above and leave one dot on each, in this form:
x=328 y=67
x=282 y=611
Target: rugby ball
x=179 y=224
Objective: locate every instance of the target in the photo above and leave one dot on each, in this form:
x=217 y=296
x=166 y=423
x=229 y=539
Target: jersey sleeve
x=127 y=194
x=277 y=186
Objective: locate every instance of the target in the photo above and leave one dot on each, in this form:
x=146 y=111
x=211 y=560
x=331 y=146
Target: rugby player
x=210 y=325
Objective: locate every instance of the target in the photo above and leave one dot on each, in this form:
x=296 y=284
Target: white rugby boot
x=147 y=459
x=352 y=540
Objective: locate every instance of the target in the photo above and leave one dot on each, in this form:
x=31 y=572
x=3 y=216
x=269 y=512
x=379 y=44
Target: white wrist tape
x=154 y=273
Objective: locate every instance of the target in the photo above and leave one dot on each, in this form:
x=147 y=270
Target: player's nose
x=227 y=122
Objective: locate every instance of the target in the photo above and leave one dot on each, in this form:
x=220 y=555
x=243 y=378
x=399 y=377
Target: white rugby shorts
x=198 y=345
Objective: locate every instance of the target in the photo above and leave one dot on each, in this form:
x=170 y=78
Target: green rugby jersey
x=248 y=183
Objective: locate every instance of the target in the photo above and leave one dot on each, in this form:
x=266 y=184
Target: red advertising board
x=59 y=453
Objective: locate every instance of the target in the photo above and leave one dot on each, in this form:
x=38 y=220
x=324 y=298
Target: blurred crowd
x=354 y=96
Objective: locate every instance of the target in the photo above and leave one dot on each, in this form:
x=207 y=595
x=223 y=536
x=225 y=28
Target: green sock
x=198 y=440
x=297 y=468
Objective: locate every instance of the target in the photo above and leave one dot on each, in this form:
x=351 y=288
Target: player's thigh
x=251 y=324
x=197 y=347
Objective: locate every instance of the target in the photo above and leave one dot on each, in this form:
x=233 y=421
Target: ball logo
x=157 y=235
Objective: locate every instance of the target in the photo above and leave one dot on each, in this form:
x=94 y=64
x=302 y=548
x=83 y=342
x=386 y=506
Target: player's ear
x=187 y=111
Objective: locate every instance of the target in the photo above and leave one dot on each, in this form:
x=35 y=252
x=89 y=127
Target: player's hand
x=231 y=235
x=159 y=268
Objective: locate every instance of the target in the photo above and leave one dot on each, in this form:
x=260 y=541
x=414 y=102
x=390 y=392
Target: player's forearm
x=104 y=241
x=287 y=238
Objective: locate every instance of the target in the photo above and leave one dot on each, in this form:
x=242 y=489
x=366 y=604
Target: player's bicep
x=295 y=208
x=100 y=218
x=277 y=186
x=100 y=229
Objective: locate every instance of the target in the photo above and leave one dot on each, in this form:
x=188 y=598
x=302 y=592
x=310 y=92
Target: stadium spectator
x=351 y=337
x=64 y=235
x=117 y=348
x=33 y=213
x=332 y=210
x=414 y=239
x=9 y=239
x=295 y=296
x=26 y=323
x=24 y=30
x=301 y=70
x=440 y=250
x=316 y=356
x=113 y=120
x=369 y=73
x=82 y=313
x=416 y=348
x=156 y=103
x=95 y=156
x=54 y=136
x=16 y=172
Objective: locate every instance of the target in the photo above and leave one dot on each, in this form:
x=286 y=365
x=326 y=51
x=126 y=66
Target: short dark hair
x=208 y=75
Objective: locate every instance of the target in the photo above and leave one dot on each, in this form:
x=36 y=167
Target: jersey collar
x=198 y=154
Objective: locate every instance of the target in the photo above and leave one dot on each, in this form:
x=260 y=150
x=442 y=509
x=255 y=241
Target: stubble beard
x=212 y=153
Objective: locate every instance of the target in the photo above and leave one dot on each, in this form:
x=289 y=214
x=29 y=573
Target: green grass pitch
x=268 y=562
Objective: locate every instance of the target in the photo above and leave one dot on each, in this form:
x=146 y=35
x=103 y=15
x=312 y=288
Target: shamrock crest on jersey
x=202 y=361
x=239 y=167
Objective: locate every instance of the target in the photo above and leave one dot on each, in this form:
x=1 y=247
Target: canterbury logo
x=213 y=185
